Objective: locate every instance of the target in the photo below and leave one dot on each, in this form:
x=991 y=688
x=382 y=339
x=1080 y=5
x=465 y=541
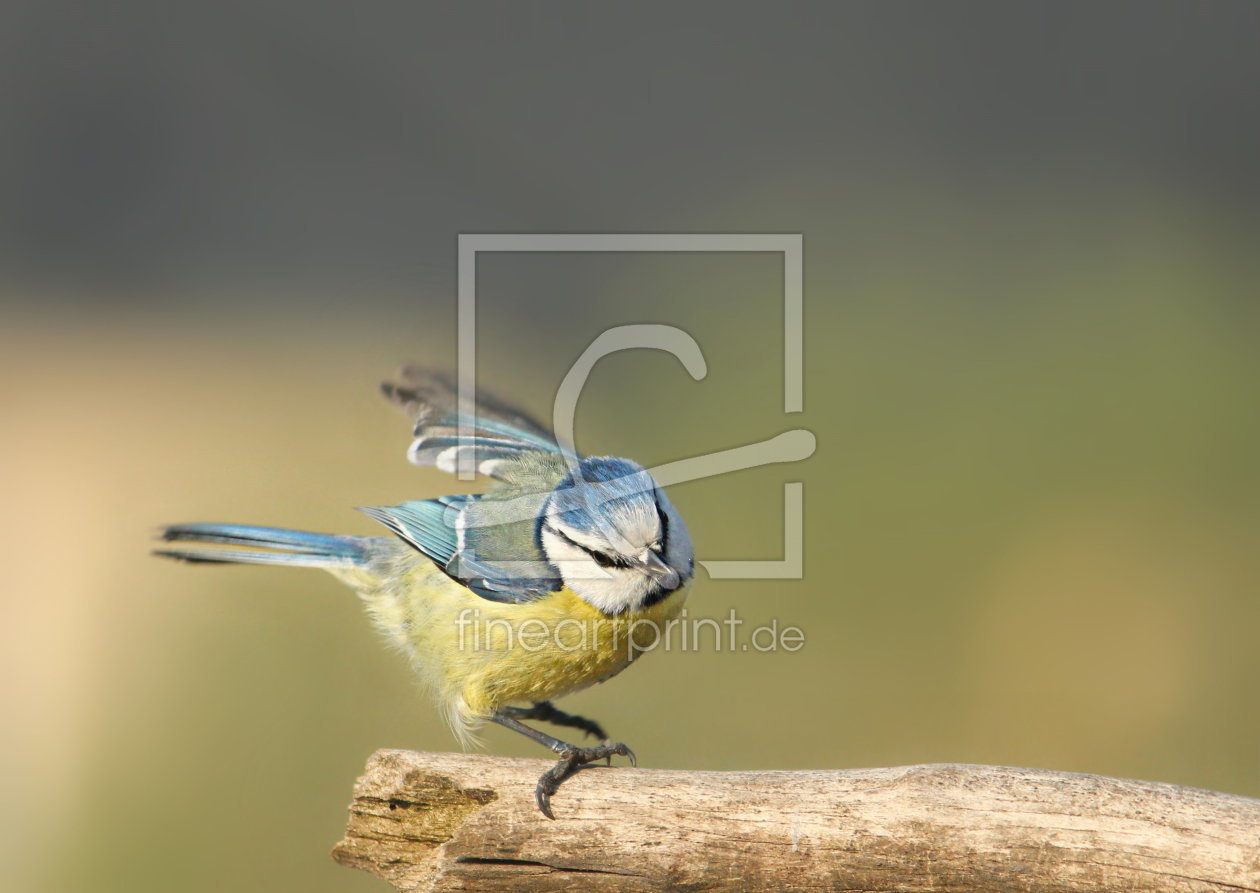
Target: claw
x=543 y=799
x=570 y=760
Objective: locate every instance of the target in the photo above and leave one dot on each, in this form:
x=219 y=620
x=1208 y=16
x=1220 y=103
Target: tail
x=247 y=544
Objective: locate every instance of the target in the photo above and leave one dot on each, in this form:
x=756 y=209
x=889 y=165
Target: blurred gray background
x=1031 y=321
x=149 y=147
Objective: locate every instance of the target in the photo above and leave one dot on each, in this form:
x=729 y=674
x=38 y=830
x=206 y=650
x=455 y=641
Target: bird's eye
x=603 y=560
x=656 y=546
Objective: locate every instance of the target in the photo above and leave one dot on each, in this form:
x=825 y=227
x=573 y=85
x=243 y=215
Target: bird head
x=614 y=536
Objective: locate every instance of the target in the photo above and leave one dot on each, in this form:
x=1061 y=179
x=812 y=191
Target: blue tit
x=555 y=579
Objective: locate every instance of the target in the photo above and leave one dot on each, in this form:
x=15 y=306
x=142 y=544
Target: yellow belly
x=478 y=655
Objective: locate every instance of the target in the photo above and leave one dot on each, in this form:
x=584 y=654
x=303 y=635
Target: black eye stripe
x=600 y=558
x=603 y=560
x=660 y=513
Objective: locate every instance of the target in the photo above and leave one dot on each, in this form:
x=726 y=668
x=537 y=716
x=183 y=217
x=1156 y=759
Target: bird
x=557 y=578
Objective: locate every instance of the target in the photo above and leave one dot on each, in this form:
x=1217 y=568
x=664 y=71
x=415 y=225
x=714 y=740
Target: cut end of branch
x=401 y=815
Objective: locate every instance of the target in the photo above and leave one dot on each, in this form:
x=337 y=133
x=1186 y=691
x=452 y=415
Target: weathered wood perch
x=434 y=822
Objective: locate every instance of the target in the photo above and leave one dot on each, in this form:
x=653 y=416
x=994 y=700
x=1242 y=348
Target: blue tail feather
x=213 y=543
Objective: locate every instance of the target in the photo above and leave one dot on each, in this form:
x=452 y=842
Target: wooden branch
x=438 y=822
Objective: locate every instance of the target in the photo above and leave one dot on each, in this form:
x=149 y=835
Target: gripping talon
x=571 y=759
x=542 y=797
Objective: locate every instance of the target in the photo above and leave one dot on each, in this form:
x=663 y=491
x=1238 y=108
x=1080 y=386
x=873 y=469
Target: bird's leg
x=547 y=712
x=571 y=757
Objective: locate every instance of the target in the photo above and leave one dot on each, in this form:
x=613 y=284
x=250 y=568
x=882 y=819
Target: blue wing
x=425 y=524
x=500 y=562
x=498 y=434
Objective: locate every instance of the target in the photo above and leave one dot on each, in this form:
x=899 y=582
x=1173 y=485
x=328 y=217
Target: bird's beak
x=660 y=572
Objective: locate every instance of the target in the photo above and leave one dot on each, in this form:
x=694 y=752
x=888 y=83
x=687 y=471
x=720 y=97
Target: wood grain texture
x=439 y=822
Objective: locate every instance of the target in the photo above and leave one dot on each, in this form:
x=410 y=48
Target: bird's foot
x=548 y=712
x=571 y=759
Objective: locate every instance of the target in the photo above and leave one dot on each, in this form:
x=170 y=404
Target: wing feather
x=497 y=561
x=498 y=435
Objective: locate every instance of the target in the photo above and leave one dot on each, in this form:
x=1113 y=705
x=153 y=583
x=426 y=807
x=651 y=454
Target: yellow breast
x=555 y=646
x=478 y=655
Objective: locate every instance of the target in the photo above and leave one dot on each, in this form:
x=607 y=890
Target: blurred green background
x=1031 y=367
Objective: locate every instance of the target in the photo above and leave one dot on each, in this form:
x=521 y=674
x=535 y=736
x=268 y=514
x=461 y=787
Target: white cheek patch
x=611 y=590
x=582 y=539
x=570 y=560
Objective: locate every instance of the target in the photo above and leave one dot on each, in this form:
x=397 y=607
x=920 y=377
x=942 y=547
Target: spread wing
x=491 y=549
x=497 y=435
